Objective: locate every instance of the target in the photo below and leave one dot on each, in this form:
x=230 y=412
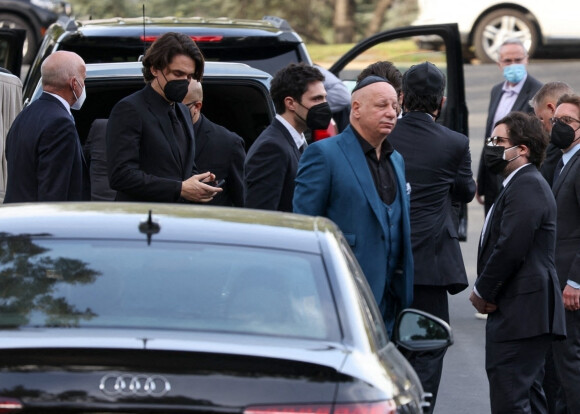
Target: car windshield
x=171 y=286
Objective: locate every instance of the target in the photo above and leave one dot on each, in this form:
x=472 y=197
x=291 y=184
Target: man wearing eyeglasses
x=513 y=94
x=566 y=136
x=217 y=150
x=517 y=285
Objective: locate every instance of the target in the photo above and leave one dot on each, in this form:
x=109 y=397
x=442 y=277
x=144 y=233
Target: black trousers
x=515 y=370
x=429 y=364
x=567 y=360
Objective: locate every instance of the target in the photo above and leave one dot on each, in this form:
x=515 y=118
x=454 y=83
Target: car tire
x=500 y=25
x=12 y=21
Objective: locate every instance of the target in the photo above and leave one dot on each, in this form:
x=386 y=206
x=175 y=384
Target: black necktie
x=558 y=170
x=303 y=147
x=178 y=132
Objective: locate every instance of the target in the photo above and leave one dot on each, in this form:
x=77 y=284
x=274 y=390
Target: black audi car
x=132 y=308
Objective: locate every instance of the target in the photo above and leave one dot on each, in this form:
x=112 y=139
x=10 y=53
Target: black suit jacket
x=489 y=184
x=44 y=155
x=567 y=193
x=222 y=152
x=96 y=155
x=144 y=160
x=438 y=169
x=271 y=167
x=515 y=264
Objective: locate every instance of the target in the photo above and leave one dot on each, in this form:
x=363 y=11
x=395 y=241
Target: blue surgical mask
x=514 y=73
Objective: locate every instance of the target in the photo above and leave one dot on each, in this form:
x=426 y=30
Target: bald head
x=59 y=68
x=374 y=111
x=194 y=99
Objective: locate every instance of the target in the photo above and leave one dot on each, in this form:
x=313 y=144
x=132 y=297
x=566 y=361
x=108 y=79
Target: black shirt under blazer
x=567 y=193
x=222 y=152
x=488 y=183
x=438 y=169
x=515 y=264
x=271 y=166
x=143 y=156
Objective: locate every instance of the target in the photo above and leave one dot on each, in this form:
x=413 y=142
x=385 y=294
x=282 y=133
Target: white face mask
x=80 y=99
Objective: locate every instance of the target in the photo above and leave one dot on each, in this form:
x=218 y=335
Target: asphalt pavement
x=464 y=387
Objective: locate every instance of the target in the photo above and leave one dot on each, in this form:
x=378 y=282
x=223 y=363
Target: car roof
x=176 y=222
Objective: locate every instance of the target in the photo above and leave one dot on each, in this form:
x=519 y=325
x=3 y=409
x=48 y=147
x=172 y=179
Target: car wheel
x=499 y=26
x=11 y=21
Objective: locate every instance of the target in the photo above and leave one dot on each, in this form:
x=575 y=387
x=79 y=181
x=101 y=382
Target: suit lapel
x=352 y=152
x=564 y=174
x=189 y=158
x=202 y=138
x=288 y=137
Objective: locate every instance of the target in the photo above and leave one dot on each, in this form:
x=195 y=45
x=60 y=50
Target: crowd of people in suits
x=388 y=180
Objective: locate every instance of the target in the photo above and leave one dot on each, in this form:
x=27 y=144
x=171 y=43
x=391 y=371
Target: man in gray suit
x=513 y=94
x=566 y=136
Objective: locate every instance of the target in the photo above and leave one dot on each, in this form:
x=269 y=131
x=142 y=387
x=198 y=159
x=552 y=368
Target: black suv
x=34 y=16
x=268 y=44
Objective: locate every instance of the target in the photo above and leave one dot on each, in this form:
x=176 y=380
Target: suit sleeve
x=313 y=182
x=464 y=186
x=57 y=151
x=235 y=181
x=265 y=172
x=522 y=215
x=574 y=273
x=124 y=132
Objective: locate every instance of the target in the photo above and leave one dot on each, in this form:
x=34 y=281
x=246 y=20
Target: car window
x=177 y=286
x=373 y=320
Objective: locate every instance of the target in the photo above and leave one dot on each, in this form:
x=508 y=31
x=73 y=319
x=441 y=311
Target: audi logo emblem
x=138 y=385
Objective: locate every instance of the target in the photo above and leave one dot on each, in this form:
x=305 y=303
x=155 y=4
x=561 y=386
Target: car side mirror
x=416 y=330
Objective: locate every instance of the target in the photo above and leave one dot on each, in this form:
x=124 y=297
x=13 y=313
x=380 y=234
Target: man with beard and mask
x=513 y=94
x=438 y=170
x=357 y=180
x=270 y=168
x=566 y=136
x=43 y=150
x=517 y=285
x=150 y=142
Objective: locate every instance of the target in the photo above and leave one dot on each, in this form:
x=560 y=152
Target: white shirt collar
x=60 y=98
x=298 y=138
x=568 y=155
x=517 y=88
x=509 y=177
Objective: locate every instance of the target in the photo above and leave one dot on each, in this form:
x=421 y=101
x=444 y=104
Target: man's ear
x=290 y=103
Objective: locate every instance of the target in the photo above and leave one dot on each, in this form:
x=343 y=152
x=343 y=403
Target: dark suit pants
x=429 y=364
x=552 y=387
x=567 y=360
x=515 y=370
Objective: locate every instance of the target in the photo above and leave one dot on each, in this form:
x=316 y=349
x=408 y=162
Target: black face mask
x=562 y=135
x=318 y=116
x=494 y=158
x=175 y=90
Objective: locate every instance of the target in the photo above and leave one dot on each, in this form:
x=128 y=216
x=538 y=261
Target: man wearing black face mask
x=150 y=145
x=517 y=285
x=566 y=136
x=270 y=168
x=438 y=169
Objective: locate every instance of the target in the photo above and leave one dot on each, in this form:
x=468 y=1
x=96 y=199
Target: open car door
x=402 y=47
x=11 y=43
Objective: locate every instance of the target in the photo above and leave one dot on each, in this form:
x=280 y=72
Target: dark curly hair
x=384 y=69
x=525 y=129
x=293 y=81
x=163 y=50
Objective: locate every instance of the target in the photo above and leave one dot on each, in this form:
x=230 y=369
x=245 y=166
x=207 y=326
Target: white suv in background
x=485 y=24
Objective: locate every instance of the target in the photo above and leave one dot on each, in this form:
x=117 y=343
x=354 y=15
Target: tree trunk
x=343 y=23
x=378 y=17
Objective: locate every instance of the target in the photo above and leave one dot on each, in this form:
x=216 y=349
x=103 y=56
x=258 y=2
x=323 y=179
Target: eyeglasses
x=565 y=119
x=494 y=141
x=510 y=61
x=191 y=104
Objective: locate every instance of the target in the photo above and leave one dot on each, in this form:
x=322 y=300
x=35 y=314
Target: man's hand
x=481 y=304
x=194 y=188
x=571 y=298
x=480 y=198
